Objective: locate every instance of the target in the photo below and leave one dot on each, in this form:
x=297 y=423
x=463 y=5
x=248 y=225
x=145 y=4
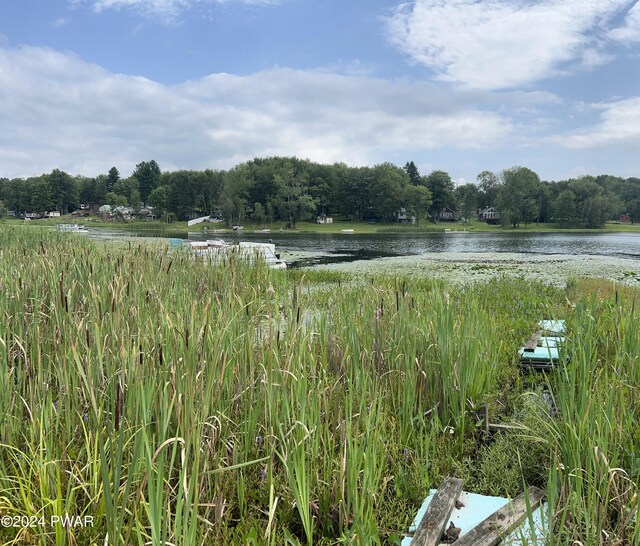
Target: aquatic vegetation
x=180 y=403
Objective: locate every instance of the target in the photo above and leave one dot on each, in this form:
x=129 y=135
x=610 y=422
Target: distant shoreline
x=336 y=227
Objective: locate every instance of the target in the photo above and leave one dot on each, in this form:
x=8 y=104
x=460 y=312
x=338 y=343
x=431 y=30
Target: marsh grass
x=182 y=403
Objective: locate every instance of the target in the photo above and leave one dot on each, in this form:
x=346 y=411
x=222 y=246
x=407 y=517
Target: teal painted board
x=551 y=341
x=479 y=507
x=553 y=326
x=539 y=354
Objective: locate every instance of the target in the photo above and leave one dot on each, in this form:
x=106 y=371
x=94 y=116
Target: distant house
x=108 y=213
x=32 y=215
x=624 y=219
x=52 y=214
x=147 y=213
x=489 y=215
x=404 y=218
x=446 y=215
x=81 y=213
x=324 y=219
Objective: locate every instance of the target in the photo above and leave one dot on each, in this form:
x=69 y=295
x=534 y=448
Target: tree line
x=290 y=190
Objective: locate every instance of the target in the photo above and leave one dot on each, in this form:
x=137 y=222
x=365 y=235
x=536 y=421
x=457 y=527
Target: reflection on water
x=347 y=247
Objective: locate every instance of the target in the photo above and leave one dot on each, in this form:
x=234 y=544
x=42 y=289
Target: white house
x=324 y=219
x=489 y=215
x=404 y=218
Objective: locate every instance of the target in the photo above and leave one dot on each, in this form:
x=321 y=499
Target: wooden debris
x=491 y=531
x=432 y=526
x=533 y=342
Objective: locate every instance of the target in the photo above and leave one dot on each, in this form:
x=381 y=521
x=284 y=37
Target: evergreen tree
x=412 y=173
x=112 y=179
x=147 y=174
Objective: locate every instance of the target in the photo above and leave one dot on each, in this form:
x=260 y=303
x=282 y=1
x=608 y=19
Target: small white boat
x=72 y=228
x=217 y=249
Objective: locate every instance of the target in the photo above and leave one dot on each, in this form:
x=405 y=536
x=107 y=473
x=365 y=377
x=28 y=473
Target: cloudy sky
x=458 y=85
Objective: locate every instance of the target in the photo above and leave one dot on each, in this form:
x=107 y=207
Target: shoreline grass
x=178 y=402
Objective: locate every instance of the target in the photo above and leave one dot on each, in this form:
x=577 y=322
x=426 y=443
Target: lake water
x=324 y=248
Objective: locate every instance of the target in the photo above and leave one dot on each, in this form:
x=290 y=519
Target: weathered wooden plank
x=493 y=529
x=438 y=513
x=533 y=341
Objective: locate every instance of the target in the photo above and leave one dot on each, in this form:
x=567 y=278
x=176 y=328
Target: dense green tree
x=159 y=199
x=518 y=196
x=489 y=185
x=115 y=200
x=213 y=184
x=594 y=204
x=633 y=210
x=129 y=189
x=112 y=179
x=259 y=214
x=441 y=187
x=92 y=191
x=565 y=209
x=546 y=197
x=148 y=175
x=416 y=201
x=37 y=196
x=628 y=191
x=185 y=194
x=291 y=189
x=413 y=173
x=355 y=192
x=388 y=193
x=294 y=203
x=261 y=184
x=64 y=192
x=467 y=200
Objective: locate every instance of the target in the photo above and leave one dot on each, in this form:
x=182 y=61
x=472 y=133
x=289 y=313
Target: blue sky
x=458 y=85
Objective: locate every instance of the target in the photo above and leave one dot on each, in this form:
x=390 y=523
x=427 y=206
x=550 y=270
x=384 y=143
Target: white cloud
x=162 y=8
x=630 y=31
x=501 y=44
x=60 y=22
x=58 y=111
x=619 y=125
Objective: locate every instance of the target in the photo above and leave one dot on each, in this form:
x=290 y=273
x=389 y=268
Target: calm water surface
x=345 y=247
